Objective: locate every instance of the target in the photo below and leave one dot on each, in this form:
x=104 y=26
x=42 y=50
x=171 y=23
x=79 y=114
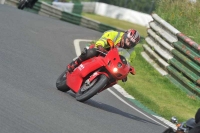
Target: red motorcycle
x=96 y=74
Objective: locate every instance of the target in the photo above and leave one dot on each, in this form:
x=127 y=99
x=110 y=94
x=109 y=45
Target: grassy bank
x=183 y=15
x=148 y=86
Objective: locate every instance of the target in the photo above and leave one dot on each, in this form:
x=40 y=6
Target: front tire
x=61 y=83
x=97 y=84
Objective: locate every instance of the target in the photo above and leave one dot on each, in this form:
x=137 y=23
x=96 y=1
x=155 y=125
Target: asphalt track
x=34 y=50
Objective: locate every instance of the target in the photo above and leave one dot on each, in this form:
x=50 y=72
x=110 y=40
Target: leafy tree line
x=146 y=6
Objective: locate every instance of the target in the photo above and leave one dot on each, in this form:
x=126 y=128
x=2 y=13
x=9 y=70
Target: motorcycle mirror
x=110 y=42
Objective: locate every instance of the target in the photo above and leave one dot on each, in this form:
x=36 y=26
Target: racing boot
x=78 y=61
x=73 y=65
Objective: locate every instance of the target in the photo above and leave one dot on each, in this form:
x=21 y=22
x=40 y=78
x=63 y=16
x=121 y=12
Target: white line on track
x=134 y=107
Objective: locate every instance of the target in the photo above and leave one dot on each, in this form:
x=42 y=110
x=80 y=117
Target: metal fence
x=173 y=54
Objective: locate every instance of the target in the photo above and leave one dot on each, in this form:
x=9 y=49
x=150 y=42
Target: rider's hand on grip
x=132 y=70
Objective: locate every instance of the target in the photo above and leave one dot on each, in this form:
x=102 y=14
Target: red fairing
x=76 y=78
x=122 y=71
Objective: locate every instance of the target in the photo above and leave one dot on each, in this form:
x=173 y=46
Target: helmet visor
x=128 y=43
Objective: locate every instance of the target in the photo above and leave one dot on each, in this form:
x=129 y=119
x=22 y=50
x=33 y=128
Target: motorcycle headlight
x=115 y=69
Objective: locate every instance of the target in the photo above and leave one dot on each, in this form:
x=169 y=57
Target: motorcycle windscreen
x=124 y=53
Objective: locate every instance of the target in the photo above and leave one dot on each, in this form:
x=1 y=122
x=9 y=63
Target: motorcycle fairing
x=114 y=63
x=75 y=79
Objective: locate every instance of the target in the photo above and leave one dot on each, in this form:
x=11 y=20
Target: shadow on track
x=112 y=109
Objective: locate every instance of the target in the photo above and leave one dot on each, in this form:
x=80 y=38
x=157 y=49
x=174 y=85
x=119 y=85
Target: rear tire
x=97 y=84
x=61 y=83
x=22 y=4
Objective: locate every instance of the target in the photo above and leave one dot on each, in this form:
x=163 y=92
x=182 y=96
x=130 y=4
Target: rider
x=126 y=40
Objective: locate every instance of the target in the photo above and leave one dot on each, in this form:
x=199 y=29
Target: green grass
x=116 y=23
x=154 y=91
x=182 y=15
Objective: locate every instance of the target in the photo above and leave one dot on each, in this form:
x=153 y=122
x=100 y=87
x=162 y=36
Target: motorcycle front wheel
x=88 y=91
x=61 y=83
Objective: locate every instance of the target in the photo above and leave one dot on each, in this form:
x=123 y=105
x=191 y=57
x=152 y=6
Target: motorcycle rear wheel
x=97 y=85
x=61 y=83
x=22 y=4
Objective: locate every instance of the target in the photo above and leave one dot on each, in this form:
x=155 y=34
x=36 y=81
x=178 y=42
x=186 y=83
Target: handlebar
x=101 y=52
